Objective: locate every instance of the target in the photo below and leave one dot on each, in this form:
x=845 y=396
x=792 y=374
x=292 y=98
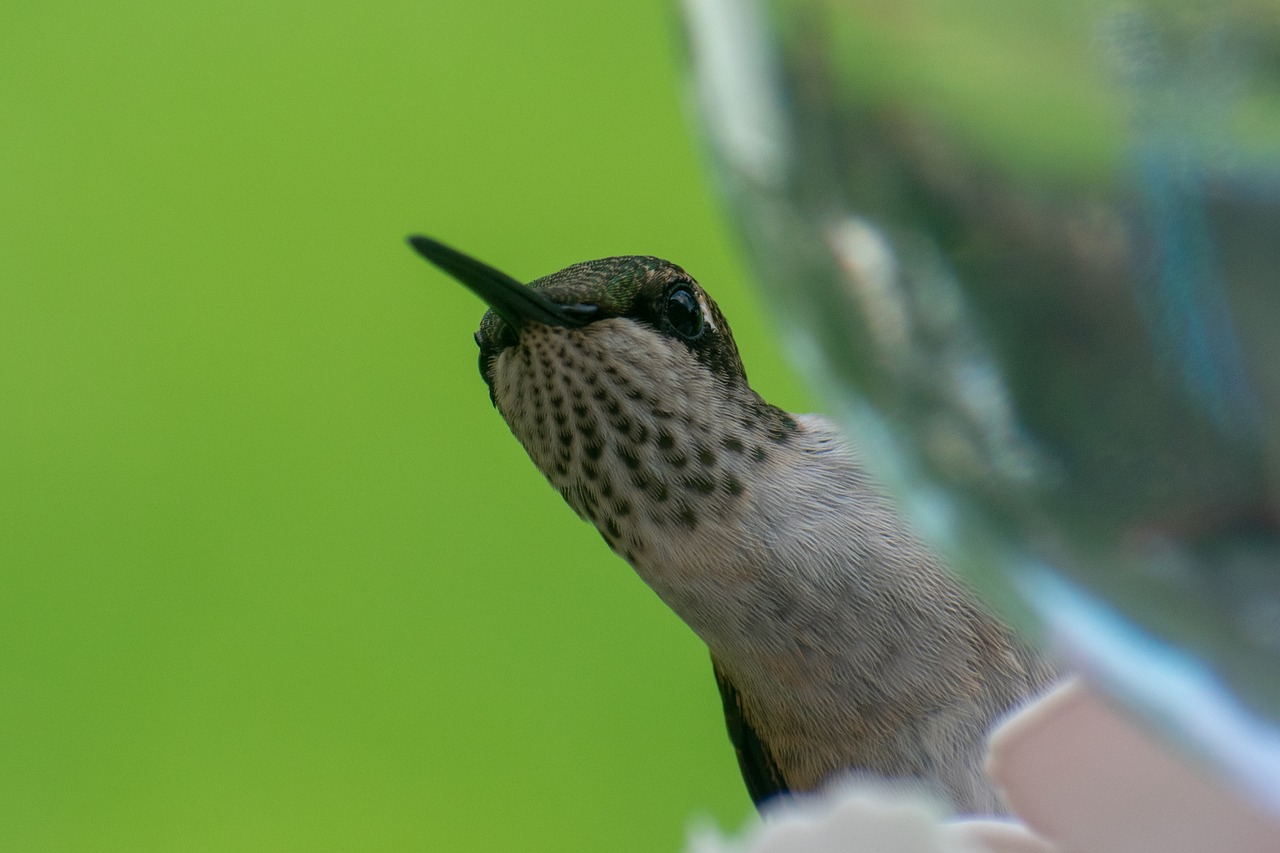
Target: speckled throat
x=640 y=445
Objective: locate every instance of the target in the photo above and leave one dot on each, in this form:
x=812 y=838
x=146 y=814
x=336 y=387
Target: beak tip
x=423 y=245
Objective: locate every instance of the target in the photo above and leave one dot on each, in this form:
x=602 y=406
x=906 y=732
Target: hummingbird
x=839 y=642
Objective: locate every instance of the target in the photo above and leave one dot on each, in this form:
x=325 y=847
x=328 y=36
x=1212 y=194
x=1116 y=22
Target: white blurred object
x=1079 y=776
x=857 y=818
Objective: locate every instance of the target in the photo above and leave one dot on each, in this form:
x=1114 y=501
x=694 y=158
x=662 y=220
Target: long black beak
x=514 y=302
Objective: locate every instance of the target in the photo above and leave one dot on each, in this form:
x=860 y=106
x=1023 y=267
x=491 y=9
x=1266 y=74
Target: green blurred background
x=273 y=573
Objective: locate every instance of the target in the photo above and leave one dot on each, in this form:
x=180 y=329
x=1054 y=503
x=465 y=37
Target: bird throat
x=612 y=424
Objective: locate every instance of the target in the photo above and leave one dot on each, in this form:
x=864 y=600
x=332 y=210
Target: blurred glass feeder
x=1032 y=253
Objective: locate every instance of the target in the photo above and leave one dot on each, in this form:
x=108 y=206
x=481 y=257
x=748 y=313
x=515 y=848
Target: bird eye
x=683 y=312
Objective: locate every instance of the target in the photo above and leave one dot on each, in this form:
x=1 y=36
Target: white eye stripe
x=707 y=316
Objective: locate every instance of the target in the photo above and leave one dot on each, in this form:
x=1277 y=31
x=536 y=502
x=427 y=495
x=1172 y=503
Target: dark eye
x=683 y=312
